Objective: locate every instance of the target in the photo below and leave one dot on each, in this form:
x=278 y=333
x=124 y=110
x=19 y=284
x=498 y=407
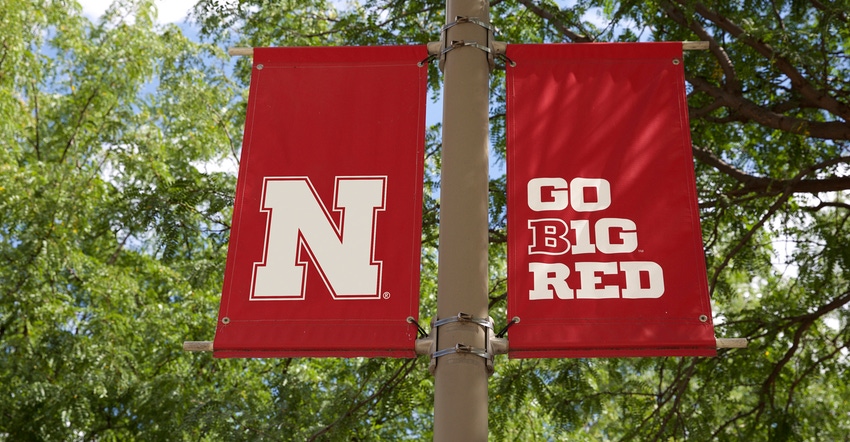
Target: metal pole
x=460 y=390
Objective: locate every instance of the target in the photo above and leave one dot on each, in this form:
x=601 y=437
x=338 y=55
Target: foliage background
x=114 y=220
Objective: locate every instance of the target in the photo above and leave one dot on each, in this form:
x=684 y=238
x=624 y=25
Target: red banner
x=325 y=242
x=604 y=243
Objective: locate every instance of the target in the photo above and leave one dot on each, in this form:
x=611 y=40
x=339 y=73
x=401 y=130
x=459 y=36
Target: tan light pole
x=460 y=392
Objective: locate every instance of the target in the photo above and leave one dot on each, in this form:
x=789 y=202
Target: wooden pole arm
x=436 y=47
x=197 y=346
x=732 y=342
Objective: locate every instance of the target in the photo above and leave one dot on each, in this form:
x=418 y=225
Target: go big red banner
x=604 y=243
x=325 y=240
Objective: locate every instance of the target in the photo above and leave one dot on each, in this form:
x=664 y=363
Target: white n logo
x=300 y=230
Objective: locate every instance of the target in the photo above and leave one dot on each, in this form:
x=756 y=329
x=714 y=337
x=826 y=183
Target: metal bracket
x=462 y=43
x=500 y=48
x=422 y=332
x=465 y=317
x=461 y=348
x=459 y=20
x=449 y=45
x=493 y=345
x=502 y=332
x=435 y=50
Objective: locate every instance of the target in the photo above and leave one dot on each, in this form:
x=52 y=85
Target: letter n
x=300 y=232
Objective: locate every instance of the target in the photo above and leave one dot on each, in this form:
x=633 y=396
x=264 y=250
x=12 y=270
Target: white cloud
x=173 y=11
x=169 y=11
x=94 y=8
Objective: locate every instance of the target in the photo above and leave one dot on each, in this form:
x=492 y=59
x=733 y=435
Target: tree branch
x=746 y=110
x=769 y=186
x=732 y=81
x=808 y=371
x=37 y=143
x=399 y=374
x=735 y=418
x=79 y=123
x=767 y=385
x=821 y=7
x=798 y=82
x=786 y=193
x=557 y=23
x=708 y=158
x=746 y=238
x=823 y=204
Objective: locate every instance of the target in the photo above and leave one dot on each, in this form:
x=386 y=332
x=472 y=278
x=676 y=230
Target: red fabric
x=615 y=113
x=325 y=114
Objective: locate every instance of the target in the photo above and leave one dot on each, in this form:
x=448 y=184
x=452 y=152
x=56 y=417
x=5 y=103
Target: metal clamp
x=449 y=45
x=461 y=348
x=485 y=353
x=465 y=317
x=459 y=20
x=494 y=344
x=462 y=43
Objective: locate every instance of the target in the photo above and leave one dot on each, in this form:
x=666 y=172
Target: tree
x=113 y=230
x=769 y=110
x=110 y=235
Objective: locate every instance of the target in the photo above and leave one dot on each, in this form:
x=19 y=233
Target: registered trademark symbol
x=386 y=295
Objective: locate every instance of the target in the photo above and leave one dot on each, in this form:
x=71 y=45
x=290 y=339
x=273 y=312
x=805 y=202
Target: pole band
x=461 y=43
x=465 y=317
x=486 y=353
x=449 y=45
x=474 y=20
x=461 y=348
